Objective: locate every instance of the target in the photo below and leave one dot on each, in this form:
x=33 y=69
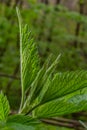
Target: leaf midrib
x=40 y=104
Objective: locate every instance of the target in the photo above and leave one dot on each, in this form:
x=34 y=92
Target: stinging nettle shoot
x=45 y=93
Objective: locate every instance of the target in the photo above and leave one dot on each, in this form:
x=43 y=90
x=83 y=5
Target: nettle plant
x=45 y=93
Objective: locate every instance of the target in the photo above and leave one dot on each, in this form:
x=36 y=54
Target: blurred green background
x=58 y=26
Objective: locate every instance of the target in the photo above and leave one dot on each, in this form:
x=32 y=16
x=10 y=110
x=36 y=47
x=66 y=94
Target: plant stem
x=20 y=24
x=63 y=122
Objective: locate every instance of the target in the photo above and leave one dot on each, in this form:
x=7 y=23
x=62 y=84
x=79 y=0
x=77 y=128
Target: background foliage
x=57 y=28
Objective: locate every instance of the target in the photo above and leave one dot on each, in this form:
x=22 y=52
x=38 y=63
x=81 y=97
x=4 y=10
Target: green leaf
x=16 y=126
x=4 y=107
x=42 y=77
x=22 y=119
x=63 y=84
x=20 y=122
x=38 y=84
x=59 y=90
x=28 y=56
x=62 y=106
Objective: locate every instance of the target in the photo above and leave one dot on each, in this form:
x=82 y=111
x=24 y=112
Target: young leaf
x=39 y=82
x=29 y=57
x=17 y=126
x=22 y=119
x=62 y=106
x=19 y=122
x=63 y=84
x=45 y=73
x=57 y=92
x=22 y=122
x=4 y=107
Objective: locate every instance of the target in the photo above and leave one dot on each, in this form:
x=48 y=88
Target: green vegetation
x=45 y=93
x=53 y=68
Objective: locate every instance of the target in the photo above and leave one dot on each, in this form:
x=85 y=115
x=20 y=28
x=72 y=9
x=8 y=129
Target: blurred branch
x=66 y=120
x=11 y=81
x=85 y=126
x=9 y=76
x=63 y=122
x=56 y=123
x=82 y=114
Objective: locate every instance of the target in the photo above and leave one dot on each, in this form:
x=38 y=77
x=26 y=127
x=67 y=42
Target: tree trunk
x=77 y=31
x=18 y=2
x=8 y=2
x=58 y=1
x=46 y=2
